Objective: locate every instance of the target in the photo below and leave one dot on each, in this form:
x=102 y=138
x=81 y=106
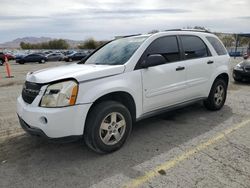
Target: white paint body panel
x=163 y=86
x=79 y=72
x=62 y=122
x=151 y=89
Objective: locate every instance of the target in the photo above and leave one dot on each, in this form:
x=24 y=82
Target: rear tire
x=1 y=62
x=217 y=95
x=107 y=127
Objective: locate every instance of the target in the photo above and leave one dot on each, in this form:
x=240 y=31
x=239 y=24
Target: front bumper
x=52 y=122
x=31 y=130
x=39 y=133
x=241 y=74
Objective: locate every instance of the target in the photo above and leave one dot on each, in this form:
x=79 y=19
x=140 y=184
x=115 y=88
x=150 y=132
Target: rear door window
x=194 y=47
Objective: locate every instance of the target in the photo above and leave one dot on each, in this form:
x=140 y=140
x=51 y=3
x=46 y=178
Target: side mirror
x=153 y=60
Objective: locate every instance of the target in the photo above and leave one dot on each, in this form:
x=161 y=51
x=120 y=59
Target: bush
x=53 y=44
x=91 y=44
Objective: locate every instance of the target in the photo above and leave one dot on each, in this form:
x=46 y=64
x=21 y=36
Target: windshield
x=116 y=52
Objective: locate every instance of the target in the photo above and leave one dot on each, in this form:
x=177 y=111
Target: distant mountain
x=34 y=40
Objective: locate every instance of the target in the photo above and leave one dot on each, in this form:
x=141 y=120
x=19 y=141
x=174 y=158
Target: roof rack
x=125 y=36
x=193 y=30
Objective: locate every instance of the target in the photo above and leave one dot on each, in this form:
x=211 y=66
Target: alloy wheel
x=112 y=128
x=219 y=95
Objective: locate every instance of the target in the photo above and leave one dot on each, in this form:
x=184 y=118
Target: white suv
x=124 y=81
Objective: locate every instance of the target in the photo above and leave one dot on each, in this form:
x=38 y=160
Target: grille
x=247 y=69
x=30 y=91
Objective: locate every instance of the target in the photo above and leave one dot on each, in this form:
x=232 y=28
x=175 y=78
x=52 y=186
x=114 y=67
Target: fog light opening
x=43 y=120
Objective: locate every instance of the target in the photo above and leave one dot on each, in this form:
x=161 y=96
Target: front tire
x=217 y=95
x=42 y=61
x=108 y=126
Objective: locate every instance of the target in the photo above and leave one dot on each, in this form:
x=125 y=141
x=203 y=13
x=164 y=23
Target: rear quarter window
x=217 y=45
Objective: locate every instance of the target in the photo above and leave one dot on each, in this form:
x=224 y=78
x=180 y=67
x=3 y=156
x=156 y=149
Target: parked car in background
x=69 y=52
x=10 y=56
x=55 y=56
x=2 y=58
x=3 y=55
x=242 y=71
x=40 y=58
x=47 y=52
x=19 y=56
x=75 y=56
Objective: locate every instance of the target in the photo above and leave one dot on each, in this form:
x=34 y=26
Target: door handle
x=180 y=68
x=210 y=62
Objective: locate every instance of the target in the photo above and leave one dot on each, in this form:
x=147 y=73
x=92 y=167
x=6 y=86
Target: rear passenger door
x=52 y=57
x=29 y=58
x=199 y=65
x=163 y=85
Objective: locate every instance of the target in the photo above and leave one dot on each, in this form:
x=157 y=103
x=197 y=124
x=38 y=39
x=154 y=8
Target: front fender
x=130 y=83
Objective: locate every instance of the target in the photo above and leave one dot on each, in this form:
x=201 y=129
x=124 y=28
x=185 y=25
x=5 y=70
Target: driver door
x=164 y=85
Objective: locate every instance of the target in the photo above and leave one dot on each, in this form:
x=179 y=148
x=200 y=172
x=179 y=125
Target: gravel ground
x=162 y=141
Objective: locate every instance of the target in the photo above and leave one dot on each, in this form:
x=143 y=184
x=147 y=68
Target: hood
x=80 y=72
x=245 y=63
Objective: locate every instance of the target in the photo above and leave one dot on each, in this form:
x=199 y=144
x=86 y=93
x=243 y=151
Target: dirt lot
x=190 y=147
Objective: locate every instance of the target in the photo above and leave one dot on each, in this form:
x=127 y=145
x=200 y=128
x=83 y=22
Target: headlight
x=238 y=67
x=60 y=94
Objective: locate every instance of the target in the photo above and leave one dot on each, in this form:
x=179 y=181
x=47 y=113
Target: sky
x=104 y=19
